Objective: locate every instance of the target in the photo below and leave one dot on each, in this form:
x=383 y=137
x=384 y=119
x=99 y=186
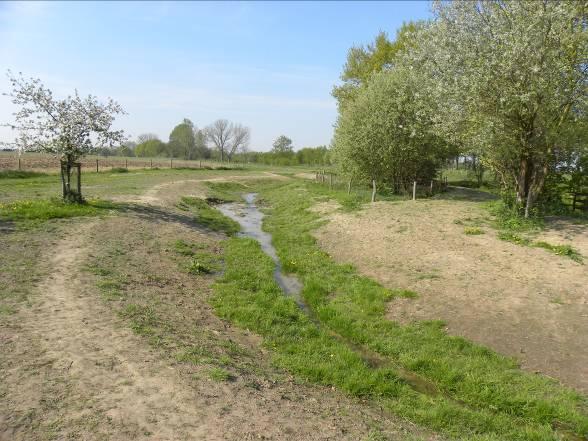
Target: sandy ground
x=72 y=369
x=521 y=301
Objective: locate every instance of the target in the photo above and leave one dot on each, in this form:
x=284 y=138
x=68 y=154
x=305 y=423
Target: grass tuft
x=473 y=231
x=20 y=174
x=45 y=209
x=208 y=216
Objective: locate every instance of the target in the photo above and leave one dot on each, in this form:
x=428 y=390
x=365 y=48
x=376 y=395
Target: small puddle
x=251 y=218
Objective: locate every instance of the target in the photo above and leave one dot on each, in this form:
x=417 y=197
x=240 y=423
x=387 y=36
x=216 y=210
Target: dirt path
x=74 y=369
x=521 y=301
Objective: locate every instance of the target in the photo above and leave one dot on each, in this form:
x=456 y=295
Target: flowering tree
x=67 y=128
x=512 y=77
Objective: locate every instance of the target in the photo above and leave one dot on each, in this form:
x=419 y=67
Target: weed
x=142 y=318
x=197 y=267
x=119 y=170
x=561 y=250
x=472 y=231
x=219 y=374
x=514 y=238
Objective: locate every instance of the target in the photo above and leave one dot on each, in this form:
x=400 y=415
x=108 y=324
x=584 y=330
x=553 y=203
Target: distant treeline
x=219 y=141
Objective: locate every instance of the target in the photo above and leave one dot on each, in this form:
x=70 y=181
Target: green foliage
x=45 y=209
x=364 y=61
x=182 y=143
x=472 y=231
x=384 y=134
x=209 y=217
x=119 y=170
x=151 y=149
x=282 y=145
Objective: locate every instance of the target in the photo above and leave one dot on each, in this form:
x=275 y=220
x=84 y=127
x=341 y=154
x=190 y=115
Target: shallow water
x=251 y=218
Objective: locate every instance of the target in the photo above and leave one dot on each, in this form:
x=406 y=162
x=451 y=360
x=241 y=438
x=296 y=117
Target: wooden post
x=330 y=181
x=152 y=163
x=373 y=190
x=171 y=163
x=200 y=164
x=574 y=202
x=414 y=191
x=431 y=187
x=19 y=163
x=349 y=186
x=126 y=163
x=96 y=166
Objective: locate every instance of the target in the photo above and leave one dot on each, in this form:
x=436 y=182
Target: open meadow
x=145 y=314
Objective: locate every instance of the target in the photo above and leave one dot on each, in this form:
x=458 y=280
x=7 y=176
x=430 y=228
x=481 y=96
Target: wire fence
x=97 y=164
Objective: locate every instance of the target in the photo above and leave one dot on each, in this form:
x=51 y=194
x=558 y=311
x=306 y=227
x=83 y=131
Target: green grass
x=481 y=395
x=45 y=209
x=225 y=191
x=561 y=250
x=219 y=374
x=208 y=216
x=473 y=231
x=19 y=174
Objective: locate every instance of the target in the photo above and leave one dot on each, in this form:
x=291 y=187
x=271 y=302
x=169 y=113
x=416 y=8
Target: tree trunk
x=70 y=195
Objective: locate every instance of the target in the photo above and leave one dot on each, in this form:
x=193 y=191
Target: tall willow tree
x=512 y=78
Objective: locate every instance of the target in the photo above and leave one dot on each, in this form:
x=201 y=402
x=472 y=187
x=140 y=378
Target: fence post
x=171 y=163
x=200 y=164
x=96 y=166
x=431 y=187
x=373 y=190
x=414 y=191
x=19 y=163
x=152 y=163
x=126 y=163
x=349 y=186
x=330 y=181
x=574 y=202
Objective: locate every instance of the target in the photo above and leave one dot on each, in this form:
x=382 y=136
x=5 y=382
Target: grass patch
x=19 y=174
x=225 y=191
x=119 y=170
x=561 y=250
x=219 y=374
x=45 y=209
x=473 y=231
x=208 y=216
x=481 y=395
x=142 y=318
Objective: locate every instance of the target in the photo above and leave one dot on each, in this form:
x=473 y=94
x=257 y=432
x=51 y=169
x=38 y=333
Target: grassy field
x=143 y=315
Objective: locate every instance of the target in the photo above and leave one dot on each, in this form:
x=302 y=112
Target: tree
x=239 y=140
x=144 y=137
x=200 y=147
x=282 y=144
x=151 y=148
x=512 y=77
x=68 y=128
x=220 y=133
x=364 y=61
x=384 y=135
x=181 y=141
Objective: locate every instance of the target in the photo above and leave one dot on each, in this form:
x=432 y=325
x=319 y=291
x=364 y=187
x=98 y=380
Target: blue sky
x=270 y=66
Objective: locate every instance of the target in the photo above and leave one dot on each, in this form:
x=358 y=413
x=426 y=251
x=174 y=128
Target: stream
x=251 y=218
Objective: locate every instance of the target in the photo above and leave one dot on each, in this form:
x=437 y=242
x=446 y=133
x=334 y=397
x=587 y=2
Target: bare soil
x=521 y=301
x=71 y=368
